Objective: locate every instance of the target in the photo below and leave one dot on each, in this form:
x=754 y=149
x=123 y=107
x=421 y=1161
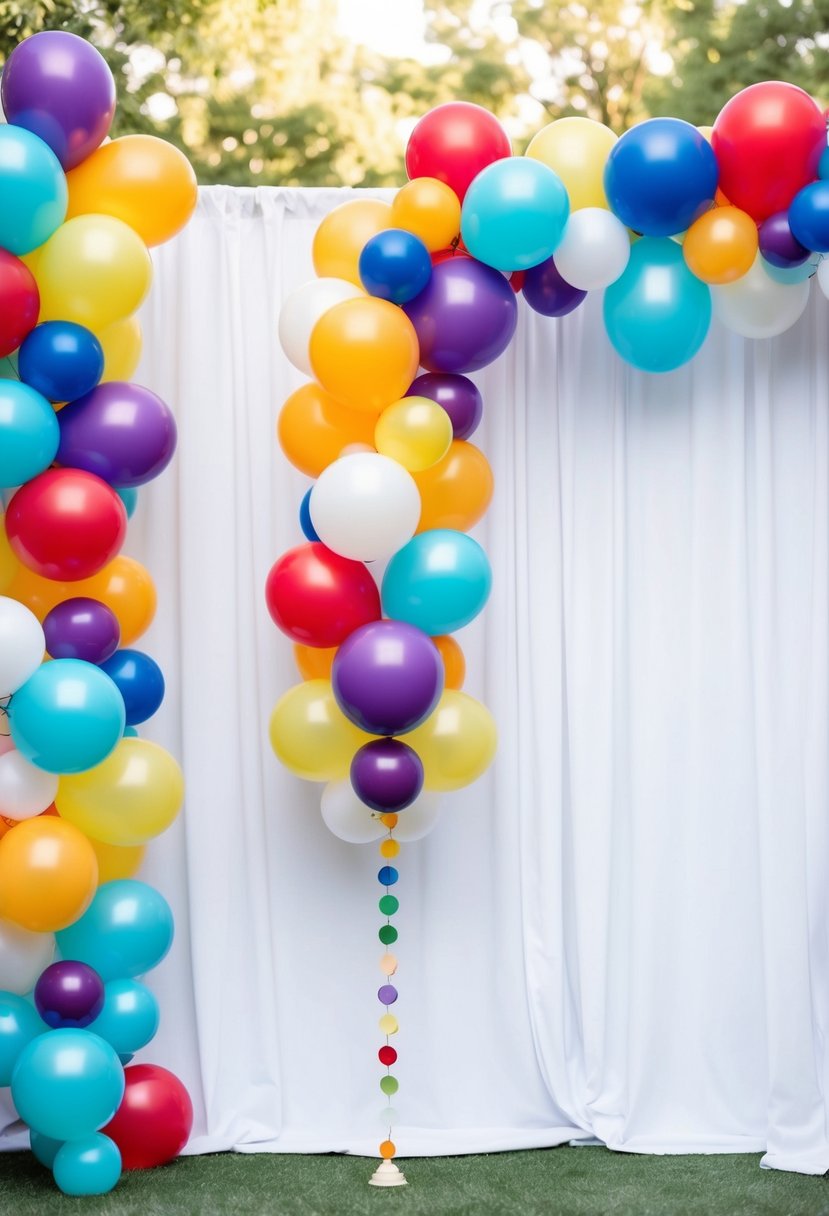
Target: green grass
x=555 y=1182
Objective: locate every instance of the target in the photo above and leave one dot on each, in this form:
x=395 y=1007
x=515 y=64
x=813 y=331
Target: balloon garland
x=80 y=792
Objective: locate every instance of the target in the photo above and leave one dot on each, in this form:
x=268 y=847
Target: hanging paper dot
x=388 y=905
x=388 y=964
x=389 y=848
x=389 y=1085
x=387 y=934
x=389 y=1117
x=387 y=876
x=387 y=1150
x=387 y=995
x=387 y=1055
x=388 y=1024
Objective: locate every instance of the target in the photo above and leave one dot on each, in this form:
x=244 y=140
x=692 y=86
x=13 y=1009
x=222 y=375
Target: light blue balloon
x=19 y=1024
x=44 y=1149
x=67 y=1084
x=130 y=732
x=33 y=190
x=126 y=930
x=129 y=497
x=658 y=313
x=514 y=213
x=29 y=433
x=91 y=1166
x=129 y=1018
x=823 y=165
x=793 y=274
x=67 y=717
x=439 y=581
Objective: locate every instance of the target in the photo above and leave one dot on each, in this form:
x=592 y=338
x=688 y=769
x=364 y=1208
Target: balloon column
x=80 y=792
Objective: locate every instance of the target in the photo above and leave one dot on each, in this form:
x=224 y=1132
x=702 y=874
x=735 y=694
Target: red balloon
x=66 y=524
x=19 y=302
x=767 y=139
x=155 y=1118
x=454 y=142
x=319 y=598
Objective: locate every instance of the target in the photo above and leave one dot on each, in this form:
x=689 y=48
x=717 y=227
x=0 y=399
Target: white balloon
x=365 y=506
x=25 y=790
x=23 y=955
x=347 y=817
x=418 y=819
x=823 y=276
x=757 y=306
x=301 y=311
x=21 y=645
x=594 y=250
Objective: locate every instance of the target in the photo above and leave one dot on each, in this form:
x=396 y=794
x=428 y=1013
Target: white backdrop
x=621 y=931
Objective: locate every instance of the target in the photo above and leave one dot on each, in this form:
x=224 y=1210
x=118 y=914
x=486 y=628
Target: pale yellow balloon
x=416 y=432
x=9 y=565
x=121 y=342
x=311 y=735
x=577 y=150
x=117 y=861
x=705 y=132
x=456 y=743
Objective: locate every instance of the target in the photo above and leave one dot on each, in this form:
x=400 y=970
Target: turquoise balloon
x=439 y=581
x=129 y=1018
x=8 y=367
x=33 y=190
x=793 y=274
x=91 y=1166
x=130 y=732
x=45 y=1149
x=29 y=433
x=67 y=717
x=67 y=1084
x=19 y=1024
x=126 y=930
x=514 y=213
x=658 y=313
x=129 y=497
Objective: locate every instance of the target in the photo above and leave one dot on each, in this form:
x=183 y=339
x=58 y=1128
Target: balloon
x=28 y=433
x=44 y=1149
x=768 y=139
x=134 y=795
x=339 y=240
x=395 y=265
x=364 y=352
x=129 y=1017
x=314 y=662
x=121 y=344
x=9 y=565
x=117 y=861
x=89 y=1166
x=23 y=955
x=660 y=176
x=457 y=490
x=154 y=1120
x=416 y=432
x=129 y=497
x=67 y=1084
x=439 y=581
x=387 y=677
x=457 y=396
x=308 y=530
x=69 y=994
x=310 y=735
x=21 y=645
x=547 y=293
x=48 y=874
x=139 y=680
x=386 y=775
x=19 y=1024
x=32 y=187
x=457 y=743
x=61 y=360
x=657 y=314
x=66 y=524
x=419 y=818
x=81 y=628
x=514 y=214
x=465 y=318
x=430 y=209
x=454 y=663
x=594 y=250
x=318 y=598
x=19 y=302
x=454 y=142
x=126 y=587
x=758 y=307
x=577 y=150
x=721 y=245
x=313 y=429
x=127 y=930
x=94 y=270
x=140 y=179
x=25 y=790
x=347 y=817
x=301 y=311
x=777 y=244
x=365 y=506
x=67 y=717
x=809 y=217
x=122 y=432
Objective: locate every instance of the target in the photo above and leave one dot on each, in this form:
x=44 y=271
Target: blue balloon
x=660 y=176
x=129 y=1018
x=658 y=313
x=139 y=680
x=19 y=1024
x=129 y=497
x=61 y=359
x=44 y=1149
x=91 y=1166
x=67 y=717
x=305 y=521
x=514 y=213
x=67 y=1084
x=395 y=265
x=29 y=433
x=33 y=190
x=125 y=931
x=809 y=216
x=439 y=581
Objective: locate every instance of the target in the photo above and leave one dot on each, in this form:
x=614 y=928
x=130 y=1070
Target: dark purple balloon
x=458 y=395
x=82 y=628
x=548 y=293
x=464 y=318
x=387 y=775
x=59 y=87
x=69 y=994
x=387 y=677
x=777 y=244
x=122 y=432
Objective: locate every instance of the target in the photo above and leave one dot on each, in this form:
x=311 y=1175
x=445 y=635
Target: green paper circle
x=387 y=935
x=389 y=1085
x=389 y=905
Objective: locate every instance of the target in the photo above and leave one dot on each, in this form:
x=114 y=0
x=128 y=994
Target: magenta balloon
x=458 y=395
x=387 y=677
x=69 y=994
x=122 y=432
x=464 y=318
x=387 y=775
x=81 y=628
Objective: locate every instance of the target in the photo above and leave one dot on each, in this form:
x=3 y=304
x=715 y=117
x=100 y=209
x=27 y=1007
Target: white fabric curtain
x=621 y=931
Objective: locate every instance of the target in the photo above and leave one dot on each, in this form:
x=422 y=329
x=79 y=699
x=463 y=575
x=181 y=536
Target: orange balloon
x=48 y=874
x=721 y=245
x=339 y=240
x=720 y=199
x=457 y=490
x=124 y=586
x=117 y=860
x=365 y=353
x=313 y=429
x=40 y=595
x=430 y=209
x=454 y=664
x=314 y=662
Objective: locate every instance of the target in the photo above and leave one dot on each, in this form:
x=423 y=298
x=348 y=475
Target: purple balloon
x=69 y=994
x=60 y=88
x=387 y=677
x=387 y=775
x=122 y=432
x=777 y=244
x=465 y=317
x=459 y=397
x=82 y=628
x=548 y=293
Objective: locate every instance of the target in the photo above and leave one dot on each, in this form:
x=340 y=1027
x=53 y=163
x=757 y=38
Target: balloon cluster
x=80 y=792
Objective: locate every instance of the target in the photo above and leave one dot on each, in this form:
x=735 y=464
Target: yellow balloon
x=9 y=565
x=311 y=735
x=339 y=240
x=93 y=270
x=117 y=861
x=416 y=432
x=121 y=342
x=705 y=132
x=430 y=209
x=456 y=743
x=132 y=796
x=577 y=149
x=48 y=874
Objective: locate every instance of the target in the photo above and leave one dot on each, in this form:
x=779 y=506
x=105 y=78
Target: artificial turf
x=555 y=1182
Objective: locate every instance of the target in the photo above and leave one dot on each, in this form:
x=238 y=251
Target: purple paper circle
x=387 y=995
x=69 y=994
x=777 y=244
x=548 y=293
x=387 y=775
x=122 y=432
x=464 y=318
x=387 y=677
x=82 y=628
x=456 y=394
